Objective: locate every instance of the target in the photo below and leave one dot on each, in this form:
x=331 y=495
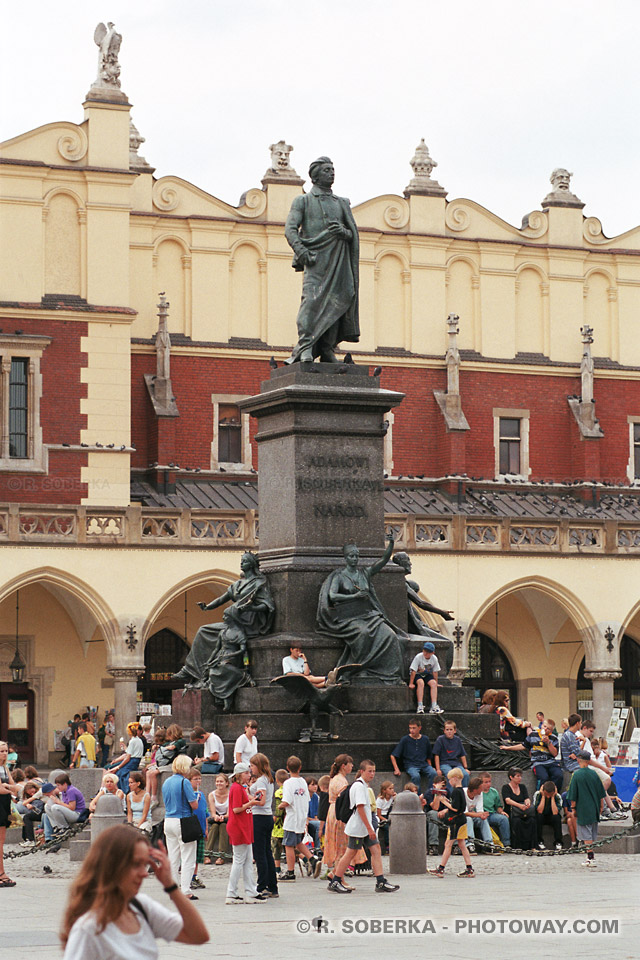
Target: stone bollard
x=407 y=836
x=108 y=813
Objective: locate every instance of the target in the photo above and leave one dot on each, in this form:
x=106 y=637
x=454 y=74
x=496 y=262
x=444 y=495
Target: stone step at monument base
x=78 y=848
x=374 y=727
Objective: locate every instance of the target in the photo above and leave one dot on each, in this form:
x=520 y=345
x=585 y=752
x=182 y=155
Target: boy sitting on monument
x=424 y=670
x=298 y=663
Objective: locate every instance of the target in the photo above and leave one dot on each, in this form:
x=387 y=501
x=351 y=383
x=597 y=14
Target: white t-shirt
x=384 y=805
x=295 y=792
x=135 y=748
x=247 y=748
x=85 y=943
x=213 y=744
x=291 y=665
x=262 y=783
x=358 y=794
x=476 y=804
x=422 y=664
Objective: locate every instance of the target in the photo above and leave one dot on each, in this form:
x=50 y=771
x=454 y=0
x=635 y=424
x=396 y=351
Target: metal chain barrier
x=49 y=845
x=579 y=848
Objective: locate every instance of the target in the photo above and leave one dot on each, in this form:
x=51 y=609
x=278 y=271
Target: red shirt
x=239 y=825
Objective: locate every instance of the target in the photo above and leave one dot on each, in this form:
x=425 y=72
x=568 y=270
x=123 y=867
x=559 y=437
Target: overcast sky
x=502 y=92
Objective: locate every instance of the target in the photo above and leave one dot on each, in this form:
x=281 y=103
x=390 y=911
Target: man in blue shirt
x=414 y=750
x=570 y=745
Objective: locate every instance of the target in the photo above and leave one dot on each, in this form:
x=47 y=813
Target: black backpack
x=343 y=805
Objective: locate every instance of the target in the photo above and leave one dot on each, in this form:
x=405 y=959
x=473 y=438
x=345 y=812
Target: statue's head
x=560 y=179
x=321 y=172
x=249 y=563
x=403 y=560
x=351 y=553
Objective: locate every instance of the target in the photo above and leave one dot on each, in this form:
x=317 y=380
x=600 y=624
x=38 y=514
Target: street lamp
x=17 y=665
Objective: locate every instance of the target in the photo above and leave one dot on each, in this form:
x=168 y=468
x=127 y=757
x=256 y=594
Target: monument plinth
x=321 y=484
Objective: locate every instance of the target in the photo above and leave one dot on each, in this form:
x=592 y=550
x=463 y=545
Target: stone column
x=125 y=683
x=602 y=681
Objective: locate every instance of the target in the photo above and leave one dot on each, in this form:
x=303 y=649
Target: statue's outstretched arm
x=384 y=559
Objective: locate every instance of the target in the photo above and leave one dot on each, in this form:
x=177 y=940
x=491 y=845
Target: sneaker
x=271 y=895
x=588 y=863
x=471 y=850
x=420 y=708
x=311 y=865
x=336 y=886
x=383 y=886
x=317 y=870
x=438 y=872
x=28 y=843
x=436 y=709
x=154 y=803
x=467 y=873
x=288 y=877
x=557 y=846
x=433 y=851
x=541 y=846
x=230 y=901
x=260 y=898
x=197 y=884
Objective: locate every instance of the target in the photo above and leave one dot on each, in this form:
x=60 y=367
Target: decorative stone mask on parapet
x=561 y=195
x=106 y=86
x=423 y=165
x=281 y=170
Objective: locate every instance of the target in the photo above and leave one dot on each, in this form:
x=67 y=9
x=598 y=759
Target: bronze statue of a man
x=323 y=235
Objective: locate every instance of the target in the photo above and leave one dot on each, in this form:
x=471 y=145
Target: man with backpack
x=359 y=831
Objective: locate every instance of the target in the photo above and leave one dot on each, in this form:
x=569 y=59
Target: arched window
x=489 y=667
x=626 y=690
x=164 y=654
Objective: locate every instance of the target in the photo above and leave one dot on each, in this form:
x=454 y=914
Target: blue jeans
x=313 y=827
x=548 y=771
x=414 y=770
x=446 y=767
x=500 y=824
x=211 y=766
x=478 y=827
x=123 y=773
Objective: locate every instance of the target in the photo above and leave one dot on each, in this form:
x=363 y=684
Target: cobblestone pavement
x=507 y=889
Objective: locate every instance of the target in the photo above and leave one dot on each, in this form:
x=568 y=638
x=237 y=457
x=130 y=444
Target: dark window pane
x=510 y=456
x=229 y=434
x=509 y=427
x=636 y=433
x=636 y=462
x=18 y=412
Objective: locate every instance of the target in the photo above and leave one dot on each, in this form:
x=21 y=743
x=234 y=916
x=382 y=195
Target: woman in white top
x=131 y=758
x=106 y=917
x=217 y=836
x=262 y=788
x=108 y=787
x=138 y=802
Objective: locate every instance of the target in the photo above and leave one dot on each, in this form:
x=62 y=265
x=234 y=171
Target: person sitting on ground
x=107 y=916
x=384 y=803
x=492 y=803
x=512 y=728
x=448 y=752
x=313 y=823
x=361 y=835
x=63 y=807
x=453 y=815
x=547 y=804
x=32 y=809
x=246 y=746
x=521 y=816
x=433 y=806
x=423 y=672
x=487 y=704
x=414 y=751
x=138 y=802
x=600 y=747
x=217 y=843
x=544 y=752
x=477 y=816
x=108 y=787
x=297 y=663
x=151 y=770
x=601 y=767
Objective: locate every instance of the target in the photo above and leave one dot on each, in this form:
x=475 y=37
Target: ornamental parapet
x=137 y=526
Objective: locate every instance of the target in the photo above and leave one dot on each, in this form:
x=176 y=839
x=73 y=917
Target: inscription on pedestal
x=352 y=478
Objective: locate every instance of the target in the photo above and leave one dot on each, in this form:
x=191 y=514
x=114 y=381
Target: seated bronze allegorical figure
x=217 y=656
x=349 y=609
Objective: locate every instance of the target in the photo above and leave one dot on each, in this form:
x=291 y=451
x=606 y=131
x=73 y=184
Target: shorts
x=587 y=832
x=604 y=776
x=457 y=833
x=200 y=850
x=362 y=843
x=276 y=847
x=291 y=839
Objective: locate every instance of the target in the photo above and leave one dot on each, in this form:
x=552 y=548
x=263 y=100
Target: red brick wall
x=60 y=415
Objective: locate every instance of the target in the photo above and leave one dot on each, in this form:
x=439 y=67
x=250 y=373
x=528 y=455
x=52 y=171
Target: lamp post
x=17 y=665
